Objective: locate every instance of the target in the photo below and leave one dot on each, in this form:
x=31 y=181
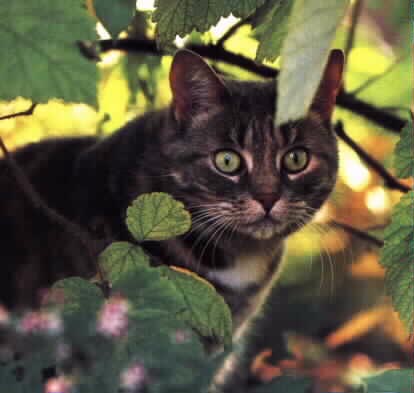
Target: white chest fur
x=247 y=270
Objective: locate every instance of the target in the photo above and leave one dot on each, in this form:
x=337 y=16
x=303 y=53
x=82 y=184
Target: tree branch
x=357 y=233
x=231 y=31
x=356 y=13
x=389 y=180
x=39 y=203
x=214 y=52
x=26 y=112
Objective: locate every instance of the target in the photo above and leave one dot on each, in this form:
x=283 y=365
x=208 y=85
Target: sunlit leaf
x=312 y=27
x=157 y=216
x=397 y=257
x=115 y=15
x=43 y=60
x=180 y=17
x=404 y=152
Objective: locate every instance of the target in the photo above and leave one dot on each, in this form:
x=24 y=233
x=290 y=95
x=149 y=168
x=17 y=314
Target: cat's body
x=215 y=149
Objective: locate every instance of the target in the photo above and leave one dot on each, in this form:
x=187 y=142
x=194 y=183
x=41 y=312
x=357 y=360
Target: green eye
x=227 y=161
x=295 y=160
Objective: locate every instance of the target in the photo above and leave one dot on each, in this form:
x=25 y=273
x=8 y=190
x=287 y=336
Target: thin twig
x=26 y=112
x=231 y=31
x=39 y=203
x=375 y=78
x=345 y=100
x=389 y=180
x=357 y=233
x=356 y=13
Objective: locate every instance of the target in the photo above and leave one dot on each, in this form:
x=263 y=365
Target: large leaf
x=115 y=15
x=395 y=381
x=206 y=310
x=404 y=152
x=397 y=257
x=41 y=59
x=157 y=216
x=120 y=258
x=273 y=31
x=180 y=17
x=312 y=27
x=79 y=296
x=285 y=384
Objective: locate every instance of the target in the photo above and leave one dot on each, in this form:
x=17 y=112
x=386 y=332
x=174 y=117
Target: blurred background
x=327 y=262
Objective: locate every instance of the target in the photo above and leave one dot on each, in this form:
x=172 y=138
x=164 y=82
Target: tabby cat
x=247 y=184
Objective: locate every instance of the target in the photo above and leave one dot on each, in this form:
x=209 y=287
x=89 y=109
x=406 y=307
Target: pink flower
x=4 y=316
x=58 y=385
x=134 y=377
x=113 y=317
x=41 y=322
x=181 y=336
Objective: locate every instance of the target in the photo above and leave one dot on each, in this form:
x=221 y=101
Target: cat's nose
x=267 y=200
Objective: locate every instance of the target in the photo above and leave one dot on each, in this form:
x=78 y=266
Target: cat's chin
x=263 y=230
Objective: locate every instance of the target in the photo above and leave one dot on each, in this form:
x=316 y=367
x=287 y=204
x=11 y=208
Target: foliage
x=149 y=310
x=43 y=60
x=391 y=381
x=115 y=15
x=180 y=17
x=398 y=252
x=404 y=152
x=157 y=217
x=398 y=256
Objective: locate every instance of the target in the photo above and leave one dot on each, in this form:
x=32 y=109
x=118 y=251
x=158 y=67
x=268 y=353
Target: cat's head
x=232 y=167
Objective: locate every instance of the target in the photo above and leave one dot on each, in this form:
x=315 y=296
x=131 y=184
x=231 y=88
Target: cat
x=247 y=184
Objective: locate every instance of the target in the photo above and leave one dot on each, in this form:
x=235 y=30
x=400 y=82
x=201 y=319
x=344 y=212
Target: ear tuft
x=330 y=85
x=196 y=88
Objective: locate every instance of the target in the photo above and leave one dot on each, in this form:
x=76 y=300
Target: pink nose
x=267 y=200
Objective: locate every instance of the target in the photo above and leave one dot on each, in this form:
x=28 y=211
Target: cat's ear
x=331 y=83
x=196 y=88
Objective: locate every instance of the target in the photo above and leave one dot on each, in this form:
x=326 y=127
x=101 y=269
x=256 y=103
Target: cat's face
x=233 y=169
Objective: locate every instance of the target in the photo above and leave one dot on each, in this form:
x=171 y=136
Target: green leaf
x=43 y=60
x=206 y=310
x=120 y=258
x=392 y=381
x=312 y=27
x=404 y=152
x=157 y=216
x=182 y=16
x=273 y=31
x=115 y=15
x=285 y=384
x=80 y=296
x=397 y=257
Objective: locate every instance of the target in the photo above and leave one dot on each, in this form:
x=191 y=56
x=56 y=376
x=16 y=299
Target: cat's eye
x=228 y=162
x=295 y=160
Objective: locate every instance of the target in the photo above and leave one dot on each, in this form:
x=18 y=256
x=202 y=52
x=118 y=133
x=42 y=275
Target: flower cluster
x=44 y=322
x=134 y=378
x=4 y=316
x=113 y=317
x=58 y=385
